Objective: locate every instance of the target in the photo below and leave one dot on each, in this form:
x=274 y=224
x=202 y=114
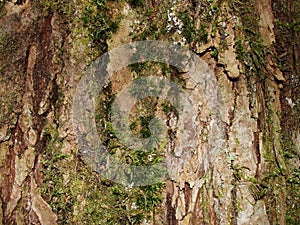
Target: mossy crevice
x=287 y=21
x=255 y=57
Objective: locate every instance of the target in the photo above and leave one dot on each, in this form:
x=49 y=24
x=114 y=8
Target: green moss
x=249 y=46
x=253 y=54
x=99 y=23
x=8 y=102
x=139 y=67
x=131 y=205
x=145 y=131
x=204 y=205
x=286 y=27
x=214 y=53
x=53 y=190
x=214 y=29
x=167 y=108
x=78 y=196
x=190 y=32
x=64 y=8
x=291 y=155
x=240 y=48
x=2 y=10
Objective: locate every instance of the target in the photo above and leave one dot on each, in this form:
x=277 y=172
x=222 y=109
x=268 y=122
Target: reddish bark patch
x=171 y=211
x=187 y=196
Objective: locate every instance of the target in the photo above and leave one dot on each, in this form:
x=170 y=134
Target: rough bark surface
x=249 y=180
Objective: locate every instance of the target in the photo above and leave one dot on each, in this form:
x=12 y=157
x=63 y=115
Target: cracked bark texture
x=38 y=82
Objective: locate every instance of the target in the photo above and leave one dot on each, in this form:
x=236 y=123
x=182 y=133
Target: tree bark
x=252 y=179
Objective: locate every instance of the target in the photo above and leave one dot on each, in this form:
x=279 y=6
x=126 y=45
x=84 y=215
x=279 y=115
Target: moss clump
x=64 y=8
x=135 y=204
x=214 y=53
x=251 y=51
x=78 y=196
x=99 y=22
x=96 y=16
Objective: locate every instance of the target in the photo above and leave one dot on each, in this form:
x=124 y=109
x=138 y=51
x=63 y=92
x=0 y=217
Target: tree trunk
x=244 y=166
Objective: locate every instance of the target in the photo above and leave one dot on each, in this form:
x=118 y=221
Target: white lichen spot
x=150 y=158
x=133 y=205
x=290 y=102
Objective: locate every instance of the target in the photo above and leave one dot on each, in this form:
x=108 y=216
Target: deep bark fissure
x=171 y=212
